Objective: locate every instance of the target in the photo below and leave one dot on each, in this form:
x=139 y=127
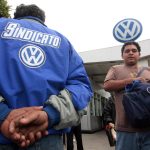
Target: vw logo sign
x=127 y=30
x=32 y=56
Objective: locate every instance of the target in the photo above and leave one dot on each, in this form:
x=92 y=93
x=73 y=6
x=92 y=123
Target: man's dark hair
x=131 y=43
x=29 y=10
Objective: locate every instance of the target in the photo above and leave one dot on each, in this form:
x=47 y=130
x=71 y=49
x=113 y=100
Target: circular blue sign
x=127 y=30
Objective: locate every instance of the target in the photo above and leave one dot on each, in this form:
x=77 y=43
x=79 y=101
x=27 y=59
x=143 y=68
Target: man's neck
x=131 y=65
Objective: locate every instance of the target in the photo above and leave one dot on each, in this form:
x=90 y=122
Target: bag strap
x=140 y=72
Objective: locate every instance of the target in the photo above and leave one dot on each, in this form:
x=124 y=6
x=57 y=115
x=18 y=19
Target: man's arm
x=111 y=82
x=29 y=127
x=72 y=100
x=116 y=85
x=78 y=83
x=14 y=117
x=107 y=112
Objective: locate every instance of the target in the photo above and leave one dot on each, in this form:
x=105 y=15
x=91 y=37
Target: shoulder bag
x=136 y=102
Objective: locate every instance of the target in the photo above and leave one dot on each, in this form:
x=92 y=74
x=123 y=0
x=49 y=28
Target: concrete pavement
x=95 y=141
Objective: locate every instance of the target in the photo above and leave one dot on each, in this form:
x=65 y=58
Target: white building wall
x=111 y=53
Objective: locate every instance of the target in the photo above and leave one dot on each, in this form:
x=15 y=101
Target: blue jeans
x=133 y=141
x=50 y=142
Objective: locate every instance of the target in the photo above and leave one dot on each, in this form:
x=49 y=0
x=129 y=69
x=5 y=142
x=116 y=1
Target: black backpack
x=136 y=102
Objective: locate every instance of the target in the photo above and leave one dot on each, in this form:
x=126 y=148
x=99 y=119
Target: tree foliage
x=4 y=9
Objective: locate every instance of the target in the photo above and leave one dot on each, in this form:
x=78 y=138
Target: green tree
x=4 y=9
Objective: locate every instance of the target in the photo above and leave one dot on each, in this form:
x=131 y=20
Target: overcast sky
x=88 y=24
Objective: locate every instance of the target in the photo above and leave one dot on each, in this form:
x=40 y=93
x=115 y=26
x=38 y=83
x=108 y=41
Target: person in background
x=44 y=87
x=118 y=76
x=109 y=115
x=75 y=131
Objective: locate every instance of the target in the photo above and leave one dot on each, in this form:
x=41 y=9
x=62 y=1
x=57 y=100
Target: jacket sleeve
x=108 y=112
x=4 y=110
x=65 y=113
x=78 y=83
x=71 y=102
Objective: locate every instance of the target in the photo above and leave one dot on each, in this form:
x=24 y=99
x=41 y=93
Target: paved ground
x=95 y=141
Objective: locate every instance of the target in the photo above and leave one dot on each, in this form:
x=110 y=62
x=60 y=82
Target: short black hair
x=29 y=10
x=131 y=43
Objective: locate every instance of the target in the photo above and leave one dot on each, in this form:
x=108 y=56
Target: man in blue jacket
x=44 y=87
